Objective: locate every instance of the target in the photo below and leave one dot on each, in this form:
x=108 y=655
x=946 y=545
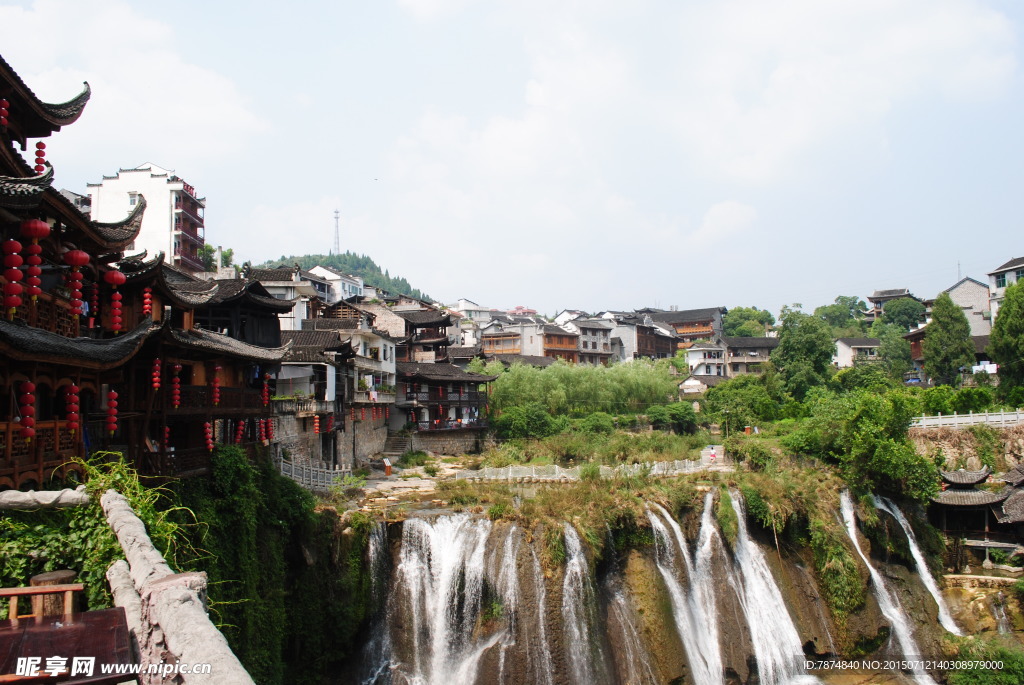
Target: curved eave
x=33 y=118
x=272 y=303
x=964 y=477
x=118 y=234
x=141 y=269
x=969 y=498
x=24 y=193
x=208 y=342
x=23 y=343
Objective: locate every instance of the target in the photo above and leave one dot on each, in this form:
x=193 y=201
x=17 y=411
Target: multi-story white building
x=343 y=286
x=173 y=222
x=1007 y=274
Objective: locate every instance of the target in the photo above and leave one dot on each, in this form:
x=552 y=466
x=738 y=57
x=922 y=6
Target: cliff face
x=972 y=448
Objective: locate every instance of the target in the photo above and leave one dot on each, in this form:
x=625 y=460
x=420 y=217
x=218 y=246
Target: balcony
x=363 y=396
x=303 y=406
x=52 y=446
x=368 y=363
x=193 y=237
x=502 y=350
x=451 y=425
x=749 y=358
x=196 y=399
x=49 y=313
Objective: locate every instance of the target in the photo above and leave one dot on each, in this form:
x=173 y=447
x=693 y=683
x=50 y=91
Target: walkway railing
x=311 y=477
x=555 y=473
x=998 y=418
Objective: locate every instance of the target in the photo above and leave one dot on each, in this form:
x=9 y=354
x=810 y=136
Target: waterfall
x=999 y=613
x=945 y=618
x=635 y=666
x=540 y=655
x=508 y=588
x=693 y=611
x=377 y=650
x=776 y=642
x=577 y=601
x=888 y=602
x=441 y=573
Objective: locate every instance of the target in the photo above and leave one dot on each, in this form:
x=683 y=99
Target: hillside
x=351 y=263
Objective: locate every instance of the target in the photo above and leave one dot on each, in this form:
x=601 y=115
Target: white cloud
x=722 y=221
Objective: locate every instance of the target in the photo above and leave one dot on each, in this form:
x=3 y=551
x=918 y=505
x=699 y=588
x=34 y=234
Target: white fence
x=998 y=418
x=553 y=473
x=310 y=477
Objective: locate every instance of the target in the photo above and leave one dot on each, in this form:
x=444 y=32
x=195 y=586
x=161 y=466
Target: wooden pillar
x=52 y=604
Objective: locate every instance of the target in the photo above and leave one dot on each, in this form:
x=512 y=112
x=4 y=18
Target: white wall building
x=998 y=280
x=343 y=286
x=851 y=351
x=173 y=222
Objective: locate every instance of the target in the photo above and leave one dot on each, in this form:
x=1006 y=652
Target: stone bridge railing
x=311 y=477
x=997 y=418
x=553 y=473
x=166 y=611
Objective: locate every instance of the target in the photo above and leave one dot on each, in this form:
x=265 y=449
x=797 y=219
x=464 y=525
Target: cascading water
x=945 y=618
x=693 y=611
x=577 y=601
x=378 y=648
x=887 y=601
x=635 y=667
x=775 y=639
x=441 y=573
x=540 y=656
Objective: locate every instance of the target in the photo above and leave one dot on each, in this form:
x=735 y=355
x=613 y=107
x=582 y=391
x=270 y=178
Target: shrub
x=413 y=458
x=840 y=581
x=726 y=516
x=598 y=422
x=754 y=451
x=938 y=400
x=525 y=421
x=968 y=400
x=590 y=471
x=430 y=470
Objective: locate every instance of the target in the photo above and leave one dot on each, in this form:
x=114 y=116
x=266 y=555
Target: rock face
x=961 y=448
x=469 y=601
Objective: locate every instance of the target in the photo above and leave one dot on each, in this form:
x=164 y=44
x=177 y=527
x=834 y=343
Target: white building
x=998 y=280
x=173 y=222
x=471 y=310
x=343 y=286
x=853 y=351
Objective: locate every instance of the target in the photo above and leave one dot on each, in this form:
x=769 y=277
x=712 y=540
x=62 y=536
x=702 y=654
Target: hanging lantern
x=4 y=112
x=387 y=412
x=330 y=422
x=316 y=424
x=266 y=389
x=147 y=301
x=35 y=230
x=13 y=275
x=27 y=408
x=94 y=304
x=262 y=430
x=215 y=393
x=40 y=157
x=115 y=278
x=76 y=259
x=71 y=408
x=352 y=413
x=156 y=373
x=112 y=412
x=208 y=433
x=270 y=429
x=176 y=386
x=167 y=437
x=240 y=432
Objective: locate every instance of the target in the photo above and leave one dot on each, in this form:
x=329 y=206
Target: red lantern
x=156 y=373
x=215 y=393
x=208 y=432
x=71 y=408
x=316 y=424
x=27 y=408
x=13 y=275
x=266 y=389
x=76 y=259
x=94 y=303
x=167 y=436
x=176 y=386
x=40 y=156
x=147 y=301
x=387 y=412
x=352 y=413
x=362 y=413
x=330 y=422
x=262 y=430
x=4 y=112
x=35 y=230
x=270 y=429
x=115 y=278
x=112 y=412
x=240 y=432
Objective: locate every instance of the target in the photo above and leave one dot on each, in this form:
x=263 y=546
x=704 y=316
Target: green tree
x=749 y=322
x=1006 y=344
x=894 y=350
x=804 y=354
x=947 y=343
x=208 y=256
x=844 y=313
x=905 y=312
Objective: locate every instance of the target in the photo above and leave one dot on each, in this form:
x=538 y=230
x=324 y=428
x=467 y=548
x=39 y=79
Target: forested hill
x=356 y=265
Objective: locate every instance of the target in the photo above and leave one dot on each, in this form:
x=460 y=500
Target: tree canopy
x=208 y=256
x=1006 y=344
x=894 y=350
x=749 y=322
x=947 y=343
x=905 y=312
x=804 y=354
x=357 y=265
x=847 y=311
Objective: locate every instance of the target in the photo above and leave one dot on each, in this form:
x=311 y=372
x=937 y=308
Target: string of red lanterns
x=216 y=385
x=71 y=407
x=208 y=432
x=27 y=408
x=76 y=259
x=240 y=432
x=4 y=111
x=94 y=303
x=167 y=437
x=176 y=386
x=266 y=389
x=262 y=430
x=13 y=287
x=316 y=424
x=112 y=412
x=115 y=278
x=147 y=301
x=40 y=157
x=270 y=429
x=156 y=373
x=330 y=422
x=35 y=230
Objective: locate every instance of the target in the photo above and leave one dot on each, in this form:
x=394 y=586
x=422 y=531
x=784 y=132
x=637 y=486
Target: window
x=1018 y=275
x=133 y=199
x=1000 y=280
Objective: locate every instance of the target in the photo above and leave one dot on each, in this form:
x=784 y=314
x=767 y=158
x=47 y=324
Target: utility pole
x=337 y=233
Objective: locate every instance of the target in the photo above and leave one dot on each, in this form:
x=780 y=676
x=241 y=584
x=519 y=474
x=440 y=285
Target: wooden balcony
x=49 y=313
x=198 y=399
x=450 y=425
x=52 y=446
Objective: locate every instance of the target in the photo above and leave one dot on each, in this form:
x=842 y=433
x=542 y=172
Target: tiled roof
x=322 y=324
x=970 y=498
x=200 y=339
x=445 y=372
x=604 y=324
x=309 y=346
x=271 y=274
x=705 y=345
x=124 y=231
x=426 y=317
x=57 y=115
x=764 y=343
x=525 y=359
x=24 y=193
x=25 y=343
x=1012 y=264
x=1013 y=508
x=685 y=315
x=895 y=292
x=860 y=342
x=963 y=477
x=708 y=380
x=557 y=330
x=464 y=352
x=1014 y=476
x=980 y=343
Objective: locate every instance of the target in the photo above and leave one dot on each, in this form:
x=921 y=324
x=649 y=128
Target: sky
x=565 y=154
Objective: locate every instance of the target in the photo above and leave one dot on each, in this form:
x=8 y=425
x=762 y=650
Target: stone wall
x=361 y=440
x=450 y=442
x=303 y=444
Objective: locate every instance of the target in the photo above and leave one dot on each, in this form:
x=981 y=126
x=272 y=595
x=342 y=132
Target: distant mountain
x=350 y=263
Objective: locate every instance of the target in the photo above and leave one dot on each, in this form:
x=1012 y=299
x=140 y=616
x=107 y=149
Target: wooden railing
x=311 y=477
x=52 y=445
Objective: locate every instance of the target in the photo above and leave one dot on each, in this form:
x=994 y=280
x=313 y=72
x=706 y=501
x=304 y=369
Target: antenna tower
x=337 y=234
